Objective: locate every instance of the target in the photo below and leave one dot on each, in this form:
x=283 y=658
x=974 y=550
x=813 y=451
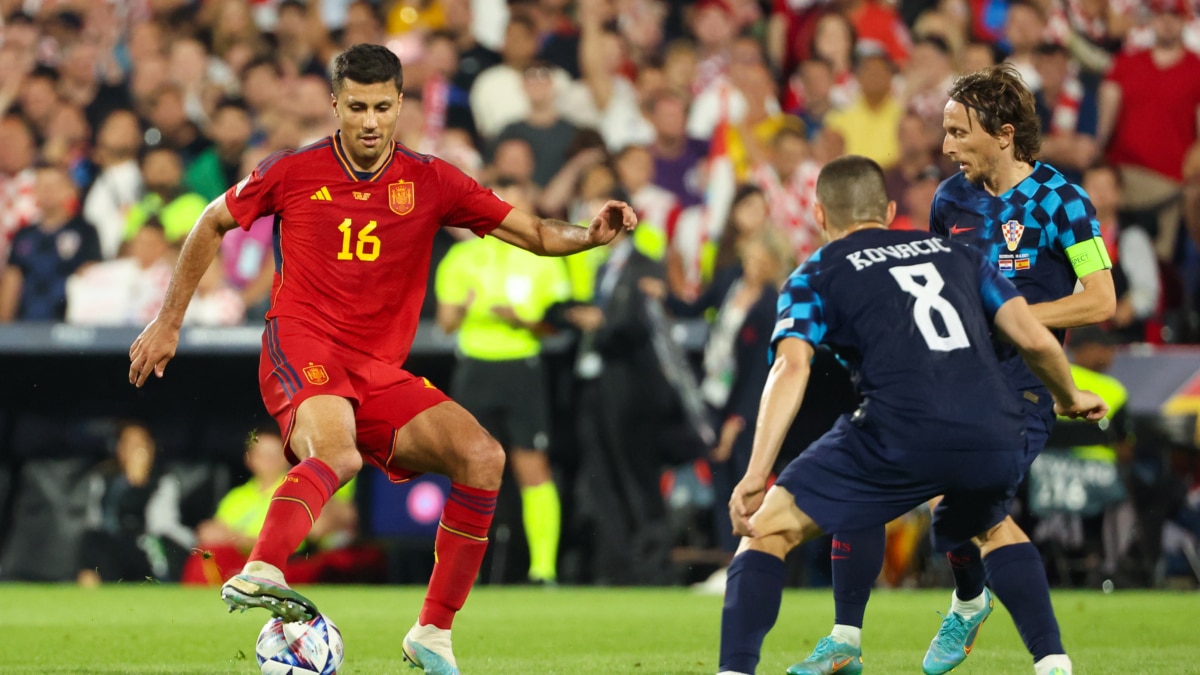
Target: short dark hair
x=852 y=190
x=367 y=64
x=999 y=96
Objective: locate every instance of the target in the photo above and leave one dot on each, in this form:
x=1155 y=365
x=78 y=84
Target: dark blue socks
x=753 y=591
x=856 y=560
x=1018 y=579
x=967 y=566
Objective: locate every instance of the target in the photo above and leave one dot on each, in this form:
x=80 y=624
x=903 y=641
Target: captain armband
x=1089 y=256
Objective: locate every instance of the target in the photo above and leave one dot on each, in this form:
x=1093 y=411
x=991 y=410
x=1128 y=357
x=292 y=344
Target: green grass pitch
x=147 y=628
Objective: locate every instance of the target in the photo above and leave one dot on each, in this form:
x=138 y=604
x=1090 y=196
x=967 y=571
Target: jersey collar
x=344 y=160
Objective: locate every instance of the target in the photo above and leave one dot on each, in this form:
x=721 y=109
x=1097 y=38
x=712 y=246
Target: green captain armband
x=1088 y=256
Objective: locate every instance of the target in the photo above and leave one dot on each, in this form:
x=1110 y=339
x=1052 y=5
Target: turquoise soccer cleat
x=428 y=648
x=828 y=657
x=955 y=639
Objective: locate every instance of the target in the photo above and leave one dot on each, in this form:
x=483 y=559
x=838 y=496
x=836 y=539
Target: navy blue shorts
x=848 y=480
x=946 y=529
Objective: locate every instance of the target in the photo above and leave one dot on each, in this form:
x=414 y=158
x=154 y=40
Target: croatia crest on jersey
x=1012 y=231
x=402 y=197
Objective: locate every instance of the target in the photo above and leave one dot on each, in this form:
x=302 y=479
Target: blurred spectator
x=18 y=207
x=656 y=207
x=928 y=77
x=876 y=22
x=133 y=530
x=562 y=192
x=38 y=99
x=612 y=96
x=714 y=26
x=216 y=302
x=917 y=198
x=498 y=95
x=118 y=186
x=225 y=539
x=220 y=165
x=513 y=159
x=261 y=88
x=1135 y=265
x=312 y=108
x=125 y=291
x=748 y=219
x=787 y=177
x=918 y=150
x=47 y=252
x=473 y=59
x=870 y=124
x=91 y=79
x=1024 y=30
x=1148 y=116
x=834 y=41
x=542 y=127
x=977 y=56
x=294 y=44
x=809 y=94
x=170 y=126
x=165 y=197
x=676 y=156
x=1067 y=108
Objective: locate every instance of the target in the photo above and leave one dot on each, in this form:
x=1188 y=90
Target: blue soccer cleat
x=828 y=657
x=428 y=648
x=955 y=639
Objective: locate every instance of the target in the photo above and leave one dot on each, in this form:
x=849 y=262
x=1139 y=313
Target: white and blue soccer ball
x=300 y=647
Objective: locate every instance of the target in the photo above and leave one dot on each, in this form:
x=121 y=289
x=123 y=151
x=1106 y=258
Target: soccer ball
x=300 y=648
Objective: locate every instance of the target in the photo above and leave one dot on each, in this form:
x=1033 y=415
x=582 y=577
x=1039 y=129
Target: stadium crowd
x=120 y=120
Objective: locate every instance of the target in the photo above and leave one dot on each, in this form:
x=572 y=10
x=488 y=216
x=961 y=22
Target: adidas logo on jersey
x=322 y=195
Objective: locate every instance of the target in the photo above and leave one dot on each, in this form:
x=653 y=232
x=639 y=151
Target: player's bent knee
x=483 y=462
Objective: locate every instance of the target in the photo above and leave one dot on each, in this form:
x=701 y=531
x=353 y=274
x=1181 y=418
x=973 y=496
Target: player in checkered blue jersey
x=1041 y=232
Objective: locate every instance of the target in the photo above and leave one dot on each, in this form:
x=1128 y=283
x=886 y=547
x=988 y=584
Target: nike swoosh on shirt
x=959 y=230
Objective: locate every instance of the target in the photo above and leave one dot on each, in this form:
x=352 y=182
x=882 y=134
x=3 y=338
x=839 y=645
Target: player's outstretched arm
x=557 y=238
x=1046 y=359
x=1094 y=304
x=156 y=345
x=780 y=402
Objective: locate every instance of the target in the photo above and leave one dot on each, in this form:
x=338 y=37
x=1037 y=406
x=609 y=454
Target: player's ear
x=333 y=102
x=891 y=213
x=819 y=215
x=1005 y=136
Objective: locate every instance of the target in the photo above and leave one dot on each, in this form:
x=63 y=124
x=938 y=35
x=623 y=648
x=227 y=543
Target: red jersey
x=352 y=249
x=1157 y=120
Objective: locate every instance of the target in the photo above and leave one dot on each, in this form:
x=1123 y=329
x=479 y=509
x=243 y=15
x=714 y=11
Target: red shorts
x=297 y=363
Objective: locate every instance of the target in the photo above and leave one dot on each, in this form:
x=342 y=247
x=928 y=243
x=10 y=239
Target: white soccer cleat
x=428 y=648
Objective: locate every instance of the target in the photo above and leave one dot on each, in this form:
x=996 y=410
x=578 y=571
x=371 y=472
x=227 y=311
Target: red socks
x=458 y=552
x=296 y=505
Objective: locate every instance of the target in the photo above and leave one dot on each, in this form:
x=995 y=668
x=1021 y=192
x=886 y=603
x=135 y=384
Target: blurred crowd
x=121 y=119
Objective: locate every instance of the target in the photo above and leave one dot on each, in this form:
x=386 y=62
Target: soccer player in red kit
x=355 y=215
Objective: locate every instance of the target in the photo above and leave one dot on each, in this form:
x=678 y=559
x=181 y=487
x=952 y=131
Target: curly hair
x=999 y=96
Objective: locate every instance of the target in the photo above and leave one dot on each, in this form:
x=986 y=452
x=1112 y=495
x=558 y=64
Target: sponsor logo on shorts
x=316 y=374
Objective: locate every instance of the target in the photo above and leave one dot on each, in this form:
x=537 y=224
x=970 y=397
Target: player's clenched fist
x=614 y=216
x=151 y=351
